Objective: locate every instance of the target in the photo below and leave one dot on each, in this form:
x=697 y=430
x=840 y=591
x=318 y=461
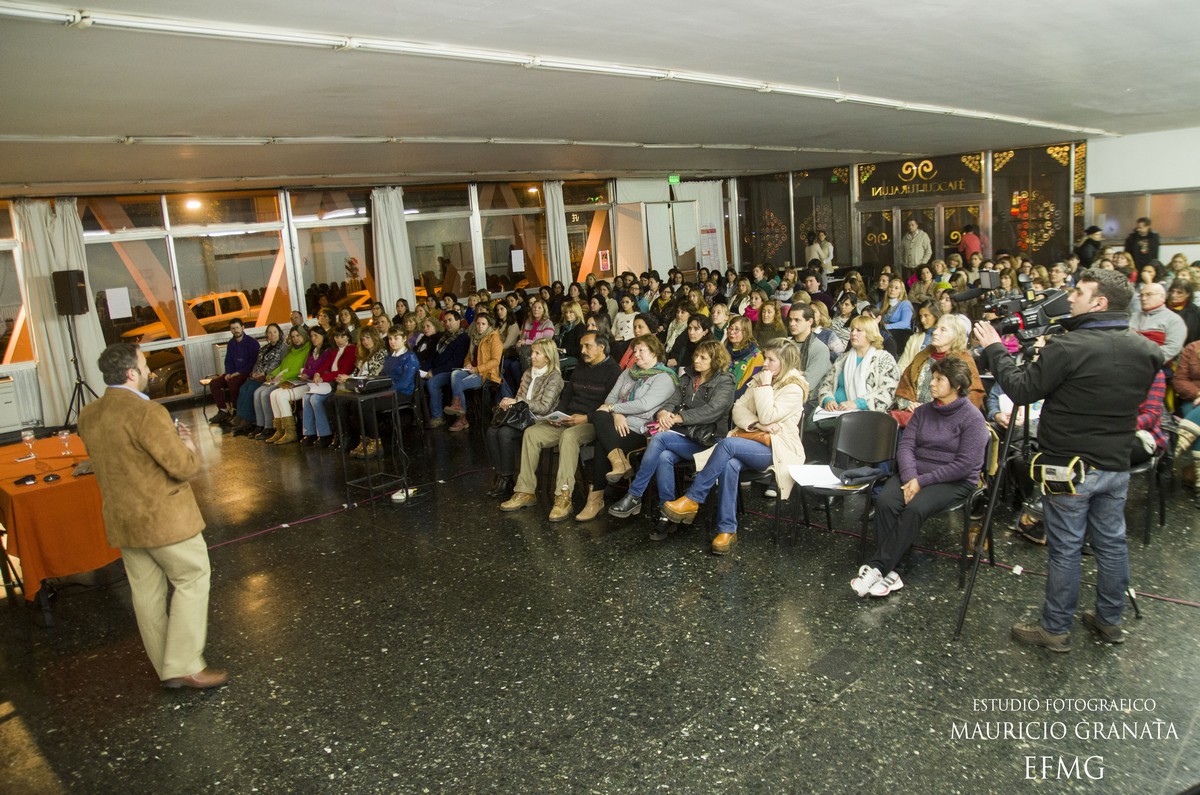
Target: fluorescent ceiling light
x=338 y=214
x=595 y=67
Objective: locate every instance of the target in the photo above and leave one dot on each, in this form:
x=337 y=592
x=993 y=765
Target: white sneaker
x=889 y=584
x=867 y=577
x=771 y=493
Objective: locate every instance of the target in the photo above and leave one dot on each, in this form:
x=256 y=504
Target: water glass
x=27 y=437
x=64 y=437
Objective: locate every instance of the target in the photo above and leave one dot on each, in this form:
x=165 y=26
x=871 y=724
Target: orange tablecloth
x=54 y=529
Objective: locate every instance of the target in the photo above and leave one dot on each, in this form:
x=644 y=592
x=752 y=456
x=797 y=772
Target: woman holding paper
x=766 y=437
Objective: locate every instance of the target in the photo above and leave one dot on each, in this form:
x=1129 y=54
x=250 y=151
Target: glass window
x=6 y=226
x=205 y=209
x=592 y=191
x=1176 y=215
x=590 y=240
x=1116 y=214
x=878 y=248
x=436 y=198
x=223 y=276
x=312 y=205
x=16 y=343
x=120 y=213
x=441 y=255
x=510 y=195
x=337 y=262
x=135 y=296
x=515 y=251
x=168 y=374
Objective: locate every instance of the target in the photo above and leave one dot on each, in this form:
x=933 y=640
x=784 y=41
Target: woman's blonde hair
x=791 y=367
x=571 y=306
x=871 y=327
x=958 y=334
x=550 y=351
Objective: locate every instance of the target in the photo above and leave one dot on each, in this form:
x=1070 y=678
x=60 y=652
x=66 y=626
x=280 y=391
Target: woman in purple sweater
x=940 y=457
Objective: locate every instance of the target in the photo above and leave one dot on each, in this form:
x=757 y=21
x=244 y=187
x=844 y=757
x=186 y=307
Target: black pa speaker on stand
x=70 y=299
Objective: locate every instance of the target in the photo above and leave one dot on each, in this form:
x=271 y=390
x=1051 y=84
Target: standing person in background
x=970 y=243
x=143 y=463
x=1089 y=247
x=1142 y=243
x=915 y=249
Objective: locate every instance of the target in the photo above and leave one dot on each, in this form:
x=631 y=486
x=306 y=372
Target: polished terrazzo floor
x=446 y=647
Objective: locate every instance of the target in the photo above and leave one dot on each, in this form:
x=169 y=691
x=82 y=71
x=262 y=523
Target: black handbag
x=518 y=416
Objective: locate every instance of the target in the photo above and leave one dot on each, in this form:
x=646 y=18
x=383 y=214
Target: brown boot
x=681 y=510
x=517 y=501
x=621 y=468
x=456 y=407
x=594 y=507
x=374 y=448
x=459 y=424
x=562 y=504
x=1188 y=432
x=290 y=436
x=360 y=450
x=723 y=543
x=275 y=437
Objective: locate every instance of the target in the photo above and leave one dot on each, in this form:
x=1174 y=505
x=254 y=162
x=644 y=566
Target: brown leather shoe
x=517 y=501
x=681 y=510
x=723 y=543
x=562 y=505
x=201 y=680
x=593 y=508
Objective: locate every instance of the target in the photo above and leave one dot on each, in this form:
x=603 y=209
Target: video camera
x=1030 y=316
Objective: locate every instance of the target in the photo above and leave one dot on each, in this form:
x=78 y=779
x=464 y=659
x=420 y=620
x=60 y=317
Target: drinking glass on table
x=64 y=436
x=27 y=436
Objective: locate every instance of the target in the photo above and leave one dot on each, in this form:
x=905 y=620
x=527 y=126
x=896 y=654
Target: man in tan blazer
x=142 y=465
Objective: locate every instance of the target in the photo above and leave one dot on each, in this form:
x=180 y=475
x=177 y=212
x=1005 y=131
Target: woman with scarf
x=720 y=321
x=948 y=340
x=863 y=378
x=481 y=364
x=770 y=321
x=540 y=388
x=766 y=437
x=695 y=418
x=745 y=358
x=298 y=346
x=537 y=326
x=269 y=357
x=643 y=324
x=620 y=422
x=448 y=350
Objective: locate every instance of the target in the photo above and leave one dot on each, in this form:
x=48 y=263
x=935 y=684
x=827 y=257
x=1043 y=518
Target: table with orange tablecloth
x=55 y=529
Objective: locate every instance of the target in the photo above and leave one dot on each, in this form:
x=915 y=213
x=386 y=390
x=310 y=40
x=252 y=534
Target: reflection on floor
x=446 y=647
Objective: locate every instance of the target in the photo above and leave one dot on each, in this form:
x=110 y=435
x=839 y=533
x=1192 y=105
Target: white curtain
x=52 y=240
x=393 y=258
x=643 y=190
x=556 y=232
x=711 y=210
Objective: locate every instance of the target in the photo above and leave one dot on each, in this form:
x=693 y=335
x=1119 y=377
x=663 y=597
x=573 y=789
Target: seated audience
x=481 y=365
x=370 y=353
x=591 y=381
x=288 y=369
x=319 y=357
x=540 y=388
x=269 y=357
x=449 y=350
x=241 y=352
x=317 y=430
x=695 y=418
x=620 y=422
x=766 y=437
x=949 y=341
x=940 y=457
x=745 y=357
x=927 y=317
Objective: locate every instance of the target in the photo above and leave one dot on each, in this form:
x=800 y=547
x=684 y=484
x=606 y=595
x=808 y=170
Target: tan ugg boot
x=289 y=431
x=621 y=468
x=1188 y=432
x=595 y=505
x=275 y=437
x=562 y=504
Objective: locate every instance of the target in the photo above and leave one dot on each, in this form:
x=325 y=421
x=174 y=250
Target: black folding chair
x=861 y=439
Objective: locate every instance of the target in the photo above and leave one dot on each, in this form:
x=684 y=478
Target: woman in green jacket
x=298 y=346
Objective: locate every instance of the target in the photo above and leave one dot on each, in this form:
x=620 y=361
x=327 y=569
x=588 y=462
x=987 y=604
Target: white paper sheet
x=118 y=303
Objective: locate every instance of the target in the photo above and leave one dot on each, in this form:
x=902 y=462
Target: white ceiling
x=75 y=101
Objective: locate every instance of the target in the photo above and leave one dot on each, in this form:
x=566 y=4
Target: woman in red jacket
x=341 y=362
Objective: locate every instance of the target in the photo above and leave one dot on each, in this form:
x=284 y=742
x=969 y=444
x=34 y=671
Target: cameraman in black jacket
x=1092 y=379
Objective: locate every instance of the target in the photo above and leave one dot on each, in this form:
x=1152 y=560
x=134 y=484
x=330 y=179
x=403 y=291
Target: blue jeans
x=315 y=419
x=665 y=450
x=245 y=401
x=1098 y=509
x=1193 y=415
x=262 y=406
x=461 y=381
x=436 y=384
x=729 y=458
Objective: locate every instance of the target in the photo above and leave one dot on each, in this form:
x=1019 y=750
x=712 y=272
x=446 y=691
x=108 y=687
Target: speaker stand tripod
x=82 y=390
